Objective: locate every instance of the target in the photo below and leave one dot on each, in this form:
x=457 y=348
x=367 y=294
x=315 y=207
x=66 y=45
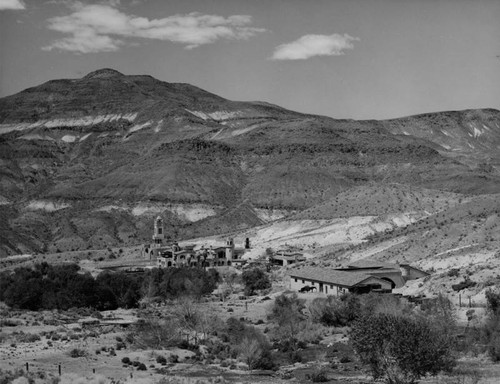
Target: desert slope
x=80 y=157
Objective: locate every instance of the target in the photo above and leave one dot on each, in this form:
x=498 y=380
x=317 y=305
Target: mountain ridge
x=70 y=148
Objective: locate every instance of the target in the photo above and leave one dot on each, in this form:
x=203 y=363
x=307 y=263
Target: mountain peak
x=104 y=73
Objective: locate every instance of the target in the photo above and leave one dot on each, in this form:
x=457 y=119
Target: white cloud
x=102 y=27
x=314 y=45
x=11 y=5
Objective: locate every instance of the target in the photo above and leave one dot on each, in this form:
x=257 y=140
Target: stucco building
x=166 y=255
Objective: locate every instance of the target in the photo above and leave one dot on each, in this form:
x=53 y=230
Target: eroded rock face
x=79 y=156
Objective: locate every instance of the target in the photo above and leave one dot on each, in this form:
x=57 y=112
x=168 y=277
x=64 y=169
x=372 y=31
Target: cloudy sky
x=361 y=59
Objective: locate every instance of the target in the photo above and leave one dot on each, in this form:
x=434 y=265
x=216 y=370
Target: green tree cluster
x=173 y=283
x=255 y=279
x=46 y=286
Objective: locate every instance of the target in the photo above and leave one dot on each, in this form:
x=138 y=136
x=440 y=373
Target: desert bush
x=494 y=347
x=335 y=311
x=249 y=344
x=126 y=360
x=27 y=337
x=77 y=352
x=492 y=301
x=10 y=322
x=440 y=314
x=174 y=359
x=120 y=345
x=142 y=367
x=345 y=359
x=160 y=359
x=454 y=272
x=319 y=375
x=154 y=334
x=374 y=303
x=311 y=332
x=466 y=283
x=400 y=349
x=20 y=377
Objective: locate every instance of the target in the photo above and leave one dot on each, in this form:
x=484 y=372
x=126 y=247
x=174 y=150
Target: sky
x=358 y=59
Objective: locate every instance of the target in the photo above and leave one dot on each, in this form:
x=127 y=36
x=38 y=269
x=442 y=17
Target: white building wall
x=329 y=289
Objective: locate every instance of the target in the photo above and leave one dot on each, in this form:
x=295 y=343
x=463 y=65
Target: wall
x=329 y=289
x=410 y=273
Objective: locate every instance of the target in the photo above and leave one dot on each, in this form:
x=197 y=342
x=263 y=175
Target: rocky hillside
x=472 y=136
x=87 y=163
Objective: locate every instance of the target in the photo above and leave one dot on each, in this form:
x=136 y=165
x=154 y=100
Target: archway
x=393 y=284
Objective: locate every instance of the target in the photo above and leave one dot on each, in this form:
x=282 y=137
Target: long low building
x=334 y=282
x=359 y=277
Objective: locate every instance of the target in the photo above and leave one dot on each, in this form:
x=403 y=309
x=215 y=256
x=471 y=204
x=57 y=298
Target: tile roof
x=331 y=276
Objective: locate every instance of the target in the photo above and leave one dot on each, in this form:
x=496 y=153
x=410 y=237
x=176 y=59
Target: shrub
x=126 y=360
x=492 y=301
x=494 y=348
x=173 y=359
x=463 y=285
x=318 y=376
x=120 y=345
x=160 y=359
x=154 y=334
x=335 y=311
x=28 y=337
x=77 y=352
x=454 y=272
x=345 y=359
x=400 y=349
x=142 y=367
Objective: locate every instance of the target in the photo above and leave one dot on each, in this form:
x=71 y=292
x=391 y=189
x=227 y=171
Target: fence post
x=27 y=367
x=460 y=300
x=59 y=369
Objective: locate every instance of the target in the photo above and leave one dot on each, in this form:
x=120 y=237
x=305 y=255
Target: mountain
x=471 y=136
x=87 y=163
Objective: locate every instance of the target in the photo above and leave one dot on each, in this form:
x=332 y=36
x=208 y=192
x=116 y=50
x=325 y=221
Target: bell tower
x=229 y=248
x=158 y=235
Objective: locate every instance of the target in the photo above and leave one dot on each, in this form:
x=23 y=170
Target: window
x=160 y=230
x=295 y=280
x=303 y=281
x=331 y=286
